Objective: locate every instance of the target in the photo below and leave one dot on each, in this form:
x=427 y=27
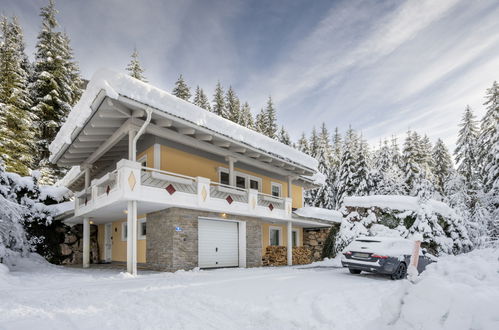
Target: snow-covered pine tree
x=55 y=89
x=219 y=101
x=411 y=162
x=246 y=116
x=134 y=68
x=12 y=234
x=232 y=106
x=489 y=157
x=346 y=185
x=303 y=144
x=362 y=169
x=313 y=143
x=271 y=119
x=395 y=151
x=201 y=100
x=16 y=135
x=425 y=149
x=323 y=196
x=442 y=165
x=283 y=136
x=181 y=90
x=466 y=151
x=261 y=122
x=337 y=147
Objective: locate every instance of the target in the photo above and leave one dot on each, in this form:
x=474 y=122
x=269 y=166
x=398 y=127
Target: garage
x=218 y=243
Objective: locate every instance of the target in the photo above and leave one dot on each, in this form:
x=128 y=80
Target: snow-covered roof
x=319 y=213
x=396 y=202
x=116 y=84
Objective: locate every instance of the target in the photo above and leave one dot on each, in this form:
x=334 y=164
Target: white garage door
x=218 y=243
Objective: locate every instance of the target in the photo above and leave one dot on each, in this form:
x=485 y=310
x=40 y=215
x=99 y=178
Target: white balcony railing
x=131 y=181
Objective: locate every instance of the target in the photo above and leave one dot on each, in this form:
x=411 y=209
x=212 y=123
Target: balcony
x=155 y=190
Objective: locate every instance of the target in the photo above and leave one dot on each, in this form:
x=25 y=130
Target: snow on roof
x=58 y=194
x=397 y=202
x=319 y=213
x=61 y=208
x=115 y=84
x=68 y=177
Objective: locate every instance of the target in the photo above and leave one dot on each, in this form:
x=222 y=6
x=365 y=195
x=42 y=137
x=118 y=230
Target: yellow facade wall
x=177 y=161
x=119 y=245
x=284 y=235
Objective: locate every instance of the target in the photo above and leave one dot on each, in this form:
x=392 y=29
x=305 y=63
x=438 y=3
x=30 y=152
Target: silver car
x=383 y=255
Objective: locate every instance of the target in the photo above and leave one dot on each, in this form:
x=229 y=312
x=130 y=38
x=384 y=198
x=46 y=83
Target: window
x=254 y=184
x=275 y=236
x=224 y=178
x=294 y=238
x=124 y=231
x=276 y=189
x=240 y=182
x=142 y=228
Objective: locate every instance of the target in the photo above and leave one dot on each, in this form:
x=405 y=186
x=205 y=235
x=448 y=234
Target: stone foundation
x=72 y=247
x=314 y=239
x=171 y=250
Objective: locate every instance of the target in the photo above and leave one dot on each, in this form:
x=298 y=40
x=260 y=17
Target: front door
x=108 y=242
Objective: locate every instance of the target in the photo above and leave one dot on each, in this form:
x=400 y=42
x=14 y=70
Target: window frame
x=275 y=184
x=247 y=178
x=140 y=222
x=124 y=231
x=279 y=229
x=295 y=231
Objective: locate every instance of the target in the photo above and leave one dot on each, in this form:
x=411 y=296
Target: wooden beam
x=89 y=138
x=163 y=122
x=204 y=137
x=222 y=144
x=253 y=155
x=239 y=150
x=119 y=107
x=97 y=131
x=106 y=123
x=187 y=131
x=119 y=134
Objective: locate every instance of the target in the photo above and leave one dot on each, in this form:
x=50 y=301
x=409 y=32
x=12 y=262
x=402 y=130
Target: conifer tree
x=232 y=106
x=219 y=101
x=467 y=149
x=55 y=89
x=271 y=129
x=442 y=165
x=303 y=144
x=134 y=68
x=181 y=90
x=411 y=159
x=346 y=183
x=246 y=116
x=16 y=135
x=201 y=100
x=337 y=146
x=283 y=136
x=261 y=122
x=362 y=170
x=314 y=143
x=323 y=196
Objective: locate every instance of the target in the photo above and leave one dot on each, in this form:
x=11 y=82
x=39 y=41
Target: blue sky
x=381 y=66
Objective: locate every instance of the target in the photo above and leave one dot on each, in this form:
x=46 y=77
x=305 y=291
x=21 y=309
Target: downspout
x=139 y=133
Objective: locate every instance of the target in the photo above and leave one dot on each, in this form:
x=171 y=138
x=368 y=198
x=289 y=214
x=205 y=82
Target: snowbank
x=457 y=292
x=319 y=213
x=397 y=202
x=115 y=84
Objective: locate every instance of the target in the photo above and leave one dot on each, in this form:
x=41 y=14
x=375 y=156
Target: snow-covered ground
x=456 y=293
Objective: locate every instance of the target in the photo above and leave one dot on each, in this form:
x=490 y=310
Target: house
x=173 y=186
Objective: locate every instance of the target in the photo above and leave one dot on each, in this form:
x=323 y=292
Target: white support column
x=232 y=178
x=131 y=136
x=87 y=177
x=131 y=241
x=290 y=187
x=86 y=242
x=290 y=243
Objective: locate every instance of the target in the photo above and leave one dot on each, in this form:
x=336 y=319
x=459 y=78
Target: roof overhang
x=103 y=139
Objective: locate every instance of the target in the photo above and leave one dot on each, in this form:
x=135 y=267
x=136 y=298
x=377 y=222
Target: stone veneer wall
x=169 y=250
x=72 y=247
x=314 y=239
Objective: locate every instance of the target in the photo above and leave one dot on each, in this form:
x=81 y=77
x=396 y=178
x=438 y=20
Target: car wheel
x=400 y=273
x=354 y=271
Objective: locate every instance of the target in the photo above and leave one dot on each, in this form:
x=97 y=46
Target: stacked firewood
x=277 y=256
x=301 y=255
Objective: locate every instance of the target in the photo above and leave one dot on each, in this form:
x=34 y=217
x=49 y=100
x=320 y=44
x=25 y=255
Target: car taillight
x=347 y=253
x=379 y=257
